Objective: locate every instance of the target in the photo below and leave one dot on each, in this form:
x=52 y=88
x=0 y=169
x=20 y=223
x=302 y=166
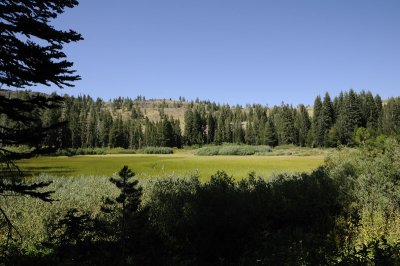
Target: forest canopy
x=349 y=119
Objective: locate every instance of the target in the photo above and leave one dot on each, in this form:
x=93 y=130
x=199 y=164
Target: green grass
x=181 y=164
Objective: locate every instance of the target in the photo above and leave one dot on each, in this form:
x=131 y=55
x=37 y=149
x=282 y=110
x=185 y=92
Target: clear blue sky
x=229 y=51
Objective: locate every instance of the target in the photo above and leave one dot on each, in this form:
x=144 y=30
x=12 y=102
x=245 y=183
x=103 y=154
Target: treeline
x=83 y=122
x=348 y=119
x=332 y=123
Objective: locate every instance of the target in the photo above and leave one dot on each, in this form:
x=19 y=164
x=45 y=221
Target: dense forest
x=348 y=119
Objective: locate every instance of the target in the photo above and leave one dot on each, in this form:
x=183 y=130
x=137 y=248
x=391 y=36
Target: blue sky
x=236 y=52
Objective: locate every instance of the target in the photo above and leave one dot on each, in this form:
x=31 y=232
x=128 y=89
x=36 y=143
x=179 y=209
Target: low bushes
x=158 y=150
x=102 y=151
x=93 y=151
x=233 y=150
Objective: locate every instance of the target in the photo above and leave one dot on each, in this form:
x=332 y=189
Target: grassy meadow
x=181 y=163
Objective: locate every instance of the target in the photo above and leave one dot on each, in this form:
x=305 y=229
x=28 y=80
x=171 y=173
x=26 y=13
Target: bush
x=240 y=150
x=369 y=179
x=93 y=151
x=19 y=149
x=158 y=150
x=283 y=222
x=262 y=149
x=207 y=151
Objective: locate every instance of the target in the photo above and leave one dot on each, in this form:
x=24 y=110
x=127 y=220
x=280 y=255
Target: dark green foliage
x=25 y=62
x=72 y=237
x=302 y=124
x=31 y=54
x=284 y=124
x=376 y=252
x=118 y=136
x=158 y=150
x=124 y=217
x=194 y=127
x=222 y=221
x=349 y=118
x=326 y=121
x=316 y=122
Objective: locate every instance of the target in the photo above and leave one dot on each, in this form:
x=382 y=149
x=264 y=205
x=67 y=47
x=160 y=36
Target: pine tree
x=316 y=122
x=250 y=137
x=349 y=118
x=117 y=135
x=379 y=109
x=211 y=127
x=176 y=125
x=189 y=127
x=270 y=134
x=326 y=120
x=303 y=125
x=285 y=129
x=26 y=62
x=370 y=111
x=125 y=207
x=219 y=133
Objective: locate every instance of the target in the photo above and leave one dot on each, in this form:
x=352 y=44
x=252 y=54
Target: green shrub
x=158 y=150
x=262 y=149
x=207 y=151
x=236 y=150
x=240 y=150
x=93 y=151
x=19 y=149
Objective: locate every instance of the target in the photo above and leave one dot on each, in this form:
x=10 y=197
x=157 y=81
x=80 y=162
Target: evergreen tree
x=284 y=124
x=316 y=122
x=349 y=118
x=219 y=133
x=117 y=133
x=237 y=132
x=125 y=207
x=189 y=131
x=211 y=128
x=379 y=110
x=167 y=133
x=326 y=120
x=105 y=124
x=51 y=117
x=370 y=111
x=270 y=133
x=303 y=125
x=176 y=125
x=26 y=62
x=250 y=137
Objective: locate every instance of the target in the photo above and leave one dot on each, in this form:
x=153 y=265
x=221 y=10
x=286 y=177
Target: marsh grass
x=164 y=165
